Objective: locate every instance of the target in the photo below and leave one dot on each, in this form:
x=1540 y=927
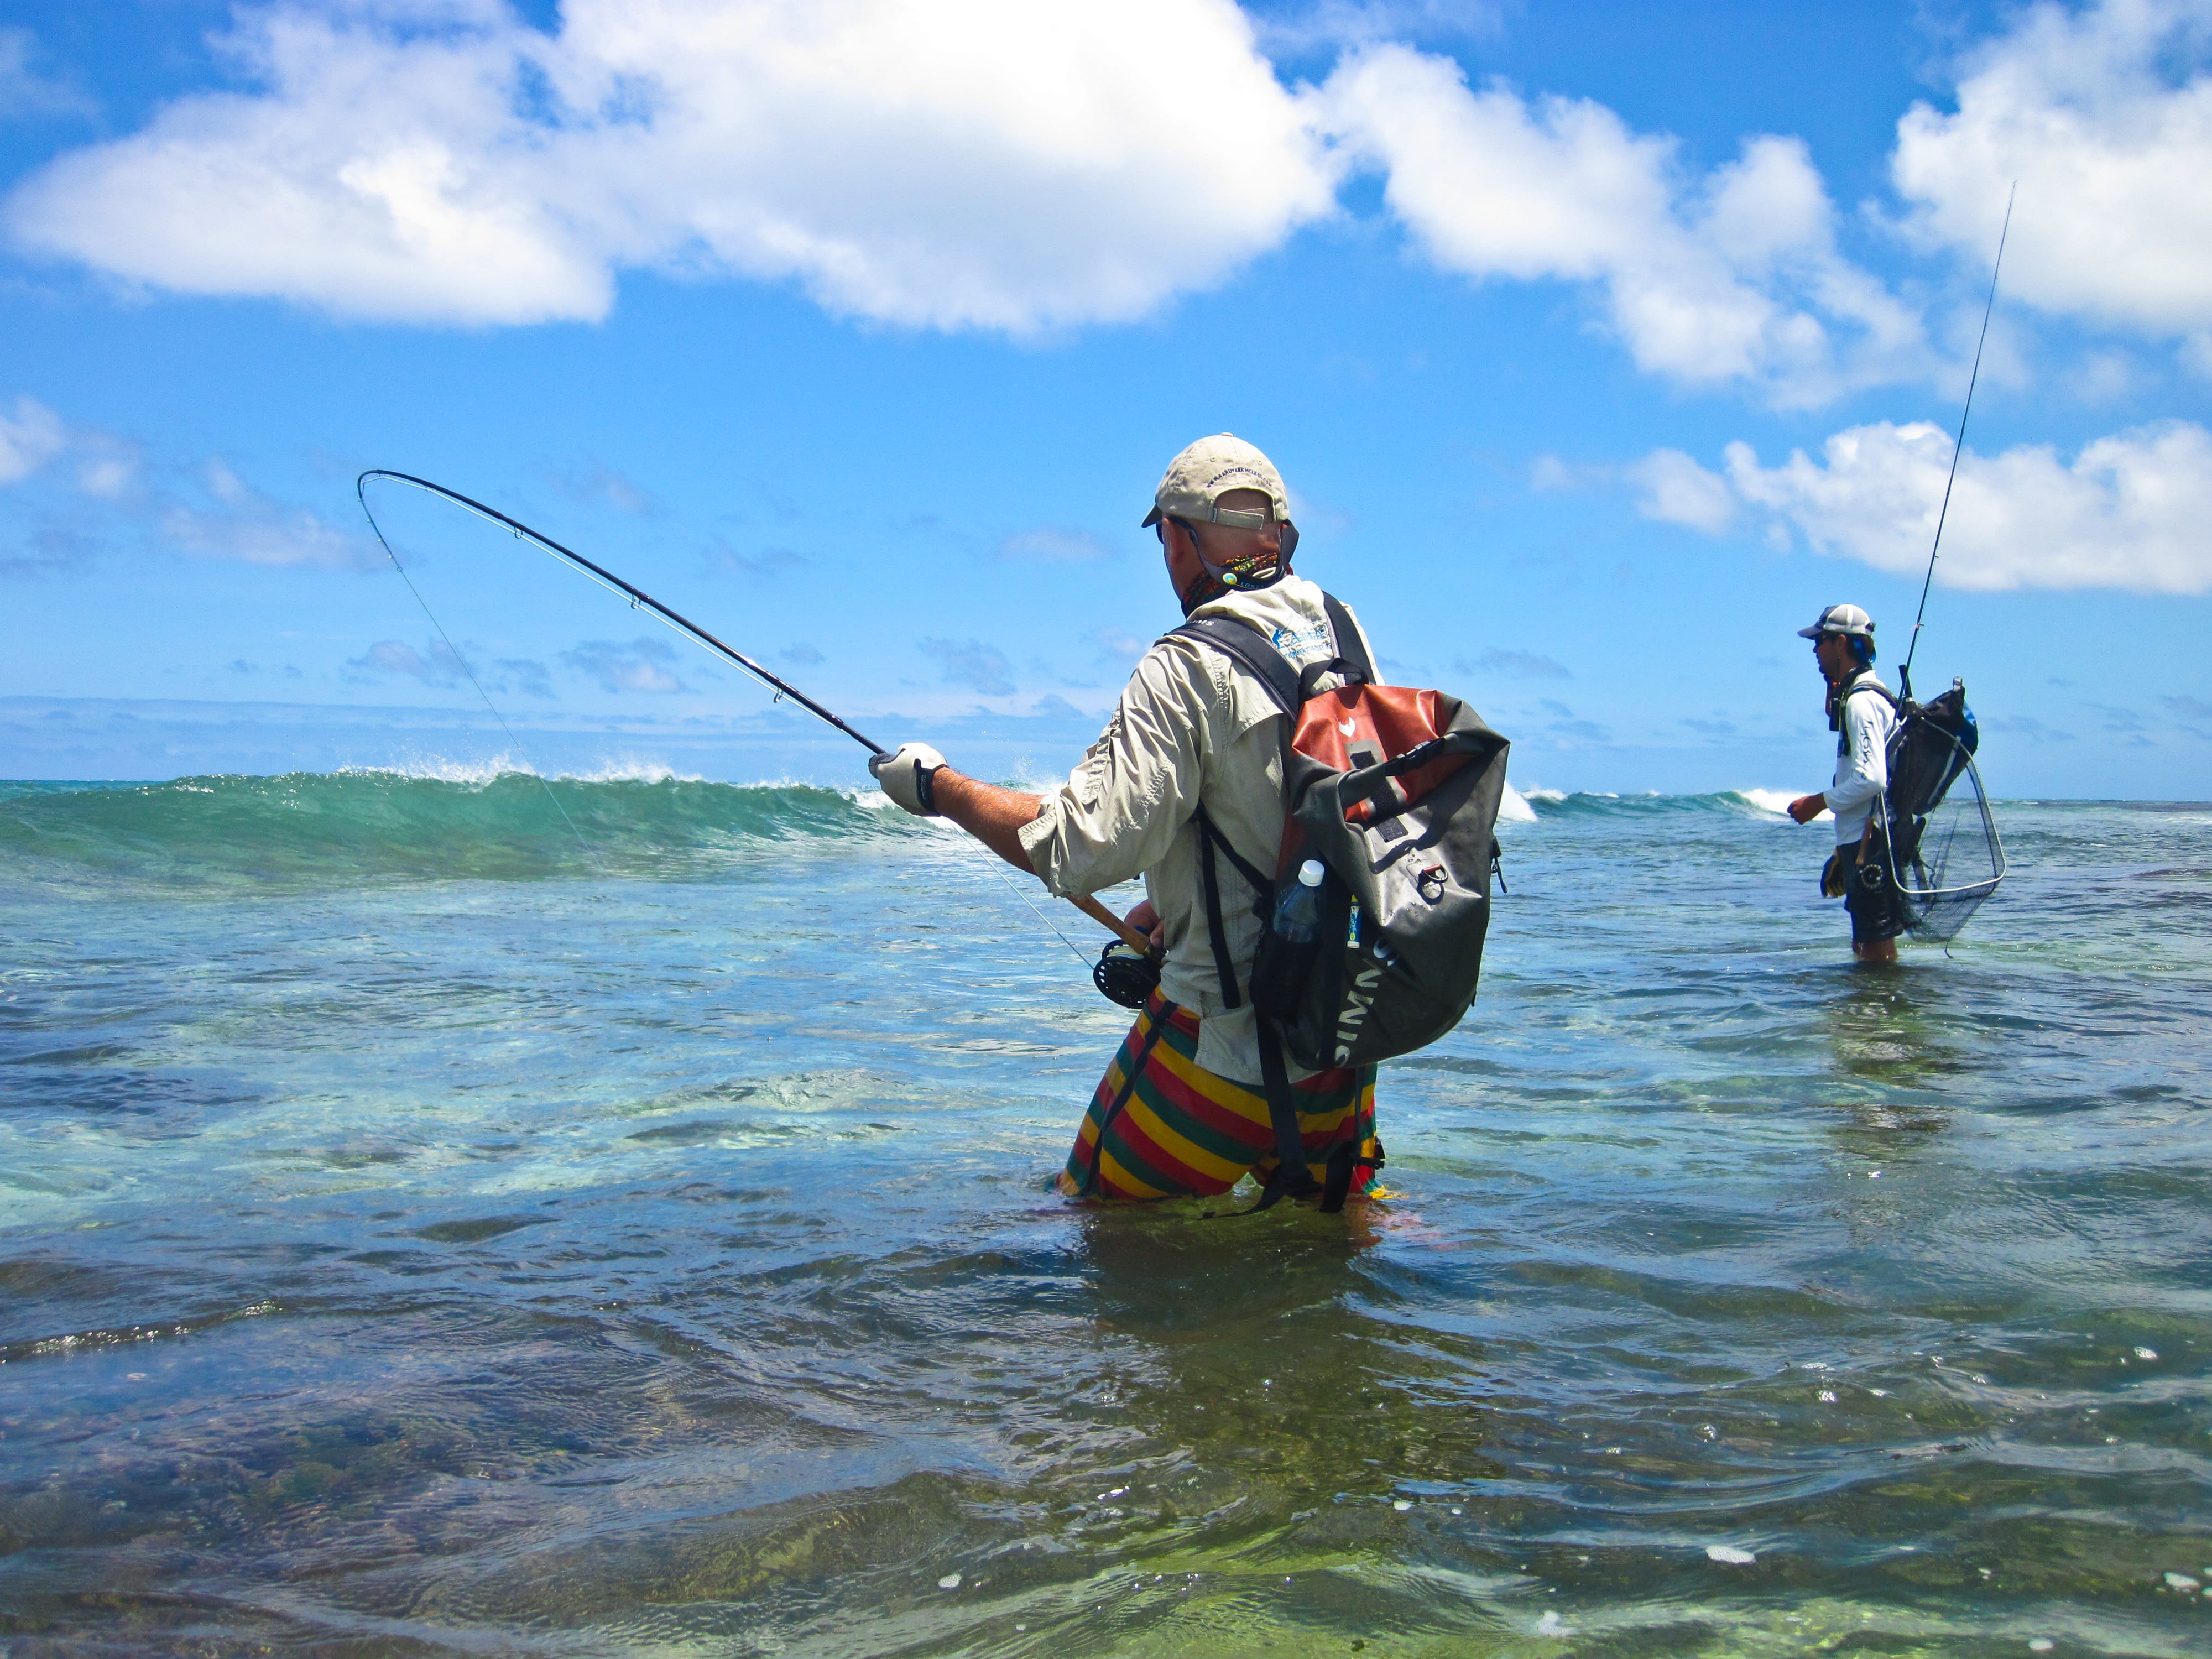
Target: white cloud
x=433 y=665
x=962 y=163
x=2130 y=511
x=971 y=663
x=992 y=164
x=246 y=525
x=1055 y=545
x=1290 y=28
x=2104 y=116
x=107 y=466
x=640 y=665
x=1675 y=489
x=1522 y=665
x=29 y=439
x=1733 y=276
x=26 y=94
x=1550 y=475
x=600 y=484
x=219 y=516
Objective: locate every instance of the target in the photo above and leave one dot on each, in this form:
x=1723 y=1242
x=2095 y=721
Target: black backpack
x=1934 y=742
x=1929 y=747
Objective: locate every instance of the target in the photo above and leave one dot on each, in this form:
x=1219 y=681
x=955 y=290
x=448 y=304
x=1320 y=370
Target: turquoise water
x=420 y=1235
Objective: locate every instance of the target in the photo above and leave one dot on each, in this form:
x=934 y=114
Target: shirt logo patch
x=1300 y=641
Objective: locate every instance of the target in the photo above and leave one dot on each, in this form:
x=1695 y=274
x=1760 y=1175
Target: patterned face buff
x=1238 y=575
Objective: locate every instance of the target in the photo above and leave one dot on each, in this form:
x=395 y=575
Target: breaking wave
x=1742 y=803
x=493 y=822
x=499 y=822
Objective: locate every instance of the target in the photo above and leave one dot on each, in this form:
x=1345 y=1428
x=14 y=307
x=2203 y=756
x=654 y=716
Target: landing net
x=1946 y=857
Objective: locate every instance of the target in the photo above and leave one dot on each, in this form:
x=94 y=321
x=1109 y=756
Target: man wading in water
x=1182 y=1107
x=1862 y=715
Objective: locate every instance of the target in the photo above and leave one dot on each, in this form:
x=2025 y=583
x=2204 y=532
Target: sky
x=1601 y=346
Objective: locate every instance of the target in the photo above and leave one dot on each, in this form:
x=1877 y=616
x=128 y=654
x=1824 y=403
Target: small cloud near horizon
x=246 y=525
x=433 y=665
x=639 y=666
x=768 y=562
x=970 y=663
x=1055 y=545
x=600 y=483
x=1520 y=664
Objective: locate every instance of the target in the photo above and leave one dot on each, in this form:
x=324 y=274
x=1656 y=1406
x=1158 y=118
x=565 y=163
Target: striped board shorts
x=1160 y=1127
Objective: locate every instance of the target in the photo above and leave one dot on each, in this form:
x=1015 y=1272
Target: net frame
x=1936 y=903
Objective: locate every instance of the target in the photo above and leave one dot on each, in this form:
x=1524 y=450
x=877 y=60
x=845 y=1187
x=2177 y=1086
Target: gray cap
x=1840 y=619
x=1198 y=478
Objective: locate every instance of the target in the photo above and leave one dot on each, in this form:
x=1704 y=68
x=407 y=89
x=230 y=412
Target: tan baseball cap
x=1198 y=478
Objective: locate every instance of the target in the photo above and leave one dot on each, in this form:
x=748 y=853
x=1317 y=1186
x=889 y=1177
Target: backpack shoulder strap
x=1249 y=646
x=1263 y=893
x=1877 y=688
x=1290 y=1179
x=1290 y=688
x=1863 y=682
x=1350 y=648
x=1287 y=687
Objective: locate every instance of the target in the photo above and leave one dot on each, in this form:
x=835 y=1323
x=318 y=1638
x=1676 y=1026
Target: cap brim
x=1812 y=633
x=1152 y=519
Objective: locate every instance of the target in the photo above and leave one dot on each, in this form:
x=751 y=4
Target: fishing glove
x=905 y=774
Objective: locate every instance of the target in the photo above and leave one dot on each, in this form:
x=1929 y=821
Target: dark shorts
x=1871 y=896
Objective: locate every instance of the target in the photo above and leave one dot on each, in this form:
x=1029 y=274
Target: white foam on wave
x=437 y=768
x=1775 y=801
x=1513 y=807
x=634 y=771
x=440 y=768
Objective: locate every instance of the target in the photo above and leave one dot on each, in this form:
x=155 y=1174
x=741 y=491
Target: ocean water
x=427 y=1231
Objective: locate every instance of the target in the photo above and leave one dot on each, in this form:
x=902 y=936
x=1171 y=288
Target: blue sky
x=1601 y=345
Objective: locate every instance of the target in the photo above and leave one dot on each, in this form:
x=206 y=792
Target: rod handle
x=1099 y=914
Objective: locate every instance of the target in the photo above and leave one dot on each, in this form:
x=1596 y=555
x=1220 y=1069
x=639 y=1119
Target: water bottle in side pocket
x=1292 y=944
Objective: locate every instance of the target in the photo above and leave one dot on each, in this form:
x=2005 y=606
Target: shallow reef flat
x=422 y=1234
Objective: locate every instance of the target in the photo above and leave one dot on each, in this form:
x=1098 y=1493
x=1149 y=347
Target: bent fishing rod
x=607 y=579
x=637 y=597
x=1957 y=448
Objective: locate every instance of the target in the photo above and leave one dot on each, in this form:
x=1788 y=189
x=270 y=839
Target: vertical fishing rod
x=638 y=597
x=1957 y=448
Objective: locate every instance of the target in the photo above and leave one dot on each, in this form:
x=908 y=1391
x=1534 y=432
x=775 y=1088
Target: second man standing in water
x=1862 y=713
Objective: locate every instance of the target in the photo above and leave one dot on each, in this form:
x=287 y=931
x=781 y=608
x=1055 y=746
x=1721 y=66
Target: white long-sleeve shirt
x=1193 y=726
x=1862 y=757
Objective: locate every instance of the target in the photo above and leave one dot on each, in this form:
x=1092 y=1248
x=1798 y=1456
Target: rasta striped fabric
x=1159 y=1127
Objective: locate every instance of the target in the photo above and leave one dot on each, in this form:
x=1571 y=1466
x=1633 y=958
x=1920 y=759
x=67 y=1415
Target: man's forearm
x=993 y=816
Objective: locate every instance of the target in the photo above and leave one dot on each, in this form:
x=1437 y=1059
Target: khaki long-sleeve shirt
x=1193 y=726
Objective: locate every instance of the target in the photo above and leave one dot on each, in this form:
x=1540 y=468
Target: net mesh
x=1948 y=859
